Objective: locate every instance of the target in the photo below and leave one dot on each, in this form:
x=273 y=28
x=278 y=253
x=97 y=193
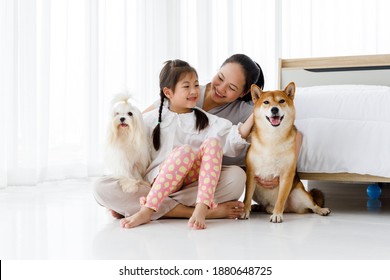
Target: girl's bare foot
x=116 y=215
x=229 y=209
x=141 y=217
x=198 y=218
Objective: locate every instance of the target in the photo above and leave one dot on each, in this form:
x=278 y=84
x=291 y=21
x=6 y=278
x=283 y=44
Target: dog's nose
x=274 y=110
x=122 y=119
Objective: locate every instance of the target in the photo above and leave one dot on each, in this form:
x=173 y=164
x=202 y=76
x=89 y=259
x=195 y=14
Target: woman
x=227 y=96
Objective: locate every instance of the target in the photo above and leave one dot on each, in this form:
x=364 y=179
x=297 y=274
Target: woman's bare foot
x=141 y=217
x=224 y=210
x=116 y=215
x=198 y=218
x=229 y=209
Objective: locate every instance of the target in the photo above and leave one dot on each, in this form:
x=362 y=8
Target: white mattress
x=346 y=128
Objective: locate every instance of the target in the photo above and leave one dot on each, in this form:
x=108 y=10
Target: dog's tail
x=318 y=197
x=121 y=97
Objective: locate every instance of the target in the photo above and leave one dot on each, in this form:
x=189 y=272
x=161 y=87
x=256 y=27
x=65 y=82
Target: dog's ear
x=290 y=90
x=255 y=92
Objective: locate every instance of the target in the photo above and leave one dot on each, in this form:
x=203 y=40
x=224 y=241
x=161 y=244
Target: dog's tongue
x=275 y=120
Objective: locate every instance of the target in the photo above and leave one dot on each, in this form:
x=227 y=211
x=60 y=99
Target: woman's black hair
x=169 y=77
x=252 y=71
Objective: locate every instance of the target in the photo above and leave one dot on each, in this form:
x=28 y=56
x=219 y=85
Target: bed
x=343 y=112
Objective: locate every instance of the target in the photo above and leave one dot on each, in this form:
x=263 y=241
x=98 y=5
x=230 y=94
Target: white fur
x=127 y=152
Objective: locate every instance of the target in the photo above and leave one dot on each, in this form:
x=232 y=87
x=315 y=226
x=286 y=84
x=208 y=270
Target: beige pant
x=109 y=194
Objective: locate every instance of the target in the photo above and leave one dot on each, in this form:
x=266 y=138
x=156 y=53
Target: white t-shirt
x=179 y=129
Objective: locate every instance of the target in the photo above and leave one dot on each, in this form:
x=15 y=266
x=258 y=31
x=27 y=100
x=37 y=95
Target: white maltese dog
x=128 y=149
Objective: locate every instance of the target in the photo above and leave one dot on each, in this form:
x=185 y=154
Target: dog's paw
x=276 y=218
x=322 y=211
x=245 y=215
x=129 y=185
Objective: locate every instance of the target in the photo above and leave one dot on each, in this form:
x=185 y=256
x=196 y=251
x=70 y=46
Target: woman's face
x=228 y=84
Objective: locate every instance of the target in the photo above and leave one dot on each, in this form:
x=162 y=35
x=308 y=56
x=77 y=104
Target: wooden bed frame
x=367 y=70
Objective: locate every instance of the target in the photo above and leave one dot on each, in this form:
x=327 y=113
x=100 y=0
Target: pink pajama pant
x=183 y=167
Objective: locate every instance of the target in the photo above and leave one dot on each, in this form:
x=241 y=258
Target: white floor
x=61 y=220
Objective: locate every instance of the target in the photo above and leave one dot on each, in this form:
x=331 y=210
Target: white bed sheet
x=346 y=128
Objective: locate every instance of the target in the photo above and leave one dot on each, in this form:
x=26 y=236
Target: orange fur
x=272 y=154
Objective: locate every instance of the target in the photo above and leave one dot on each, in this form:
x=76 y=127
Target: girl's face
x=228 y=84
x=183 y=98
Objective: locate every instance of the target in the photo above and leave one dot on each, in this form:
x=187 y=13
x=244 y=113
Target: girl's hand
x=246 y=128
x=268 y=184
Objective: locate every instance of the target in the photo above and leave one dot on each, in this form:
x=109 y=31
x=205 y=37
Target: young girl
x=188 y=145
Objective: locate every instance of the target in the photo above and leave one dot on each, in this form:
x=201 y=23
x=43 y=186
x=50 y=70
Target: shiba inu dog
x=272 y=154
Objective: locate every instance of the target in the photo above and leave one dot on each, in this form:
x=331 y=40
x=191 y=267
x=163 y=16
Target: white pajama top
x=179 y=129
x=236 y=112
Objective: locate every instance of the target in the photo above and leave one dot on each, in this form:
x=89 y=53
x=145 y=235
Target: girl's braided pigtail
x=156 y=130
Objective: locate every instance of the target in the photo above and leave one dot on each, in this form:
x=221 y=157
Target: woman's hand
x=268 y=184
